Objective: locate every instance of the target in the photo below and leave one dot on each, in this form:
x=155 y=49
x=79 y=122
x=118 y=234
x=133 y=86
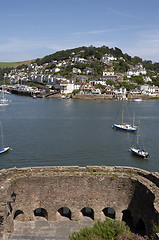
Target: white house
x=76 y=70
x=95 y=82
x=137 y=70
x=56 y=70
x=79 y=60
x=120 y=91
x=134 y=72
x=96 y=91
x=147 y=79
x=146 y=89
x=67 y=88
x=107 y=58
x=108 y=73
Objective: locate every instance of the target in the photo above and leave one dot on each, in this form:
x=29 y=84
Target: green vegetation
x=107 y=230
x=75 y=91
x=121 y=64
x=14 y=64
x=154 y=230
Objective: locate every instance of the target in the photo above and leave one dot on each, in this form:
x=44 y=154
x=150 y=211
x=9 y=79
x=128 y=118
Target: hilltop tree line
x=123 y=63
x=98 y=52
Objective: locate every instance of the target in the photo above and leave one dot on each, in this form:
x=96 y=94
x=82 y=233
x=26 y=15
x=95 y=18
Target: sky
x=34 y=28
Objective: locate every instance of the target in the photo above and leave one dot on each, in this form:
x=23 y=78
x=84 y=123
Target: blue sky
x=36 y=28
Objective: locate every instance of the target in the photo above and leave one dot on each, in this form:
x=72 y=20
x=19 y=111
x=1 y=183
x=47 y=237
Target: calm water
x=54 y=132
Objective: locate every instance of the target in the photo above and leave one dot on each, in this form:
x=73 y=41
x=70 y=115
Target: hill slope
x=14 y=64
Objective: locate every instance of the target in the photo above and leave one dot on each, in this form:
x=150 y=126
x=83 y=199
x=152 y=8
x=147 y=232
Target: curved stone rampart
x=73 y=192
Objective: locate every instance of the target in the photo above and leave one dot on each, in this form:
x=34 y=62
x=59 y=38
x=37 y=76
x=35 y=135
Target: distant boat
x=3 y=100
x=137 y=150
x=34 y=96
x=123 y=126
x=138 y=100
x=3 y=149
x=63 y=96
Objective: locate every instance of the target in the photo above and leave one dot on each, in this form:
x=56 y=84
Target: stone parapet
x=74 y=192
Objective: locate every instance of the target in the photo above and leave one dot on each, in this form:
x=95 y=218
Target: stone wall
x=76 y=188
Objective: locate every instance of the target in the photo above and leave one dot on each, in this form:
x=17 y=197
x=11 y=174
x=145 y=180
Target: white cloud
x=120 y=13
x=122 y=28
x=144 y=44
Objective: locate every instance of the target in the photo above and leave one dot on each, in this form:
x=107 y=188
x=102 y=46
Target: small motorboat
x=138 y=100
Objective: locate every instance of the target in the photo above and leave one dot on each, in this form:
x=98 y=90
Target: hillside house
x=96 y=82
x=136 y=71
x=121 y=91
x=76 y=70
x=68 y=88
x=147 y=89
x=109 y=90
x=55 y=70
x=108 y=72
x=107 y=58
x=88 y=71
x=147 y=79
x=79 y=60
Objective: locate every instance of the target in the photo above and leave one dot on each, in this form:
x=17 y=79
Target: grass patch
x=14 y=64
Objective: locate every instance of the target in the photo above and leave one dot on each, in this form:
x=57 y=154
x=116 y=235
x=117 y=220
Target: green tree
x=100 y=86
x=138 y=79
x=135 y=60
x=121 y=66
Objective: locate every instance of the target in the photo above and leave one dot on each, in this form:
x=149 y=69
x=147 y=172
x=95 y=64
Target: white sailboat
x=138 y=150
x=3 y=100
x=3 y=149
x=125 y=126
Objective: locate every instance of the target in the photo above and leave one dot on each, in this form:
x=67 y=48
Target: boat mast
x=2 y=135
x=122 y=113
x=133 y=119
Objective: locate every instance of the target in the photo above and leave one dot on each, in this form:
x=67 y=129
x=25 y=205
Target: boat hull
x=125 y=127
x=4 y=104
x=3 y=150
x=138 y=100
x=139 y=152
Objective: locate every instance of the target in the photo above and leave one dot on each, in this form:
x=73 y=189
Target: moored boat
x=138 y=100
x=5 y=149
x=125 y=126
x=139 y=152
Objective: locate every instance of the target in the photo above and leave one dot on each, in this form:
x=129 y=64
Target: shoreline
x=130 y=97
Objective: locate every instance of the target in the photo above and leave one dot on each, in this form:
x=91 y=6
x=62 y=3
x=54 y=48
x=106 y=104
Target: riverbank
x=106 y=97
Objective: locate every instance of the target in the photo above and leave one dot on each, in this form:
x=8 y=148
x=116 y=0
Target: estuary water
x=55 y=132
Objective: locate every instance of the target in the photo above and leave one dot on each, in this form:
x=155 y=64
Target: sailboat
x=3 y=100
x=123 y=126
x=137 y=150
x=3 y=149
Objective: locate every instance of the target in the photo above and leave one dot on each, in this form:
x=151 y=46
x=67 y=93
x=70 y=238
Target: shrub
x=127 y=235
x=108 y=230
